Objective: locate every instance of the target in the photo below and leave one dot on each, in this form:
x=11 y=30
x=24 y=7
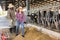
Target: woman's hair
x=18 y=10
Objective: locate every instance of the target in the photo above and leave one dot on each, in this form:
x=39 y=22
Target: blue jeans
x=18 y=23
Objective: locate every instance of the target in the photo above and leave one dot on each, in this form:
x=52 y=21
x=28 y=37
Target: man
x=11 y=17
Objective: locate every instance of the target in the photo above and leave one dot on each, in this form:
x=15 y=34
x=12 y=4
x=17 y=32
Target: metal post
x=6 y=5
x=18 y=2
x=27 y=6
x=13 y=1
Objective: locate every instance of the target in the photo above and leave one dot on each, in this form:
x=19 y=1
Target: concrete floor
x=4 y=23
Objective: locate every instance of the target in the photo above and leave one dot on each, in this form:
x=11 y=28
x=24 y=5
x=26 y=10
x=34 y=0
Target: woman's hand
x=25 y=22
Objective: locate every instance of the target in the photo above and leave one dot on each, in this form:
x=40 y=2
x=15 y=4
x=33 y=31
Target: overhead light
x=58 y=0
x=51 y=0
x=45 y=0
x=54 y=1
x=48 y=1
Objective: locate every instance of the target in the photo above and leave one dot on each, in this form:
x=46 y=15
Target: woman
x=20 y=19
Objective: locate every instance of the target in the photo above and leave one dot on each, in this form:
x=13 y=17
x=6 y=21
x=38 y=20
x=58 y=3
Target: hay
x=33 y=34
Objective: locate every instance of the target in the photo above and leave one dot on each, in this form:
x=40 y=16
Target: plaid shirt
x=20 y=17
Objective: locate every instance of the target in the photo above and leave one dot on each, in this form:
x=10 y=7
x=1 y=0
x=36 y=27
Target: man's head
x=10 y=5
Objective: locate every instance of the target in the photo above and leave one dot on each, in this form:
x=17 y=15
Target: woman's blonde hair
x=19 y=8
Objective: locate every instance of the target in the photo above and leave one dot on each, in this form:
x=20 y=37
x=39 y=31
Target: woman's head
x=20 y=9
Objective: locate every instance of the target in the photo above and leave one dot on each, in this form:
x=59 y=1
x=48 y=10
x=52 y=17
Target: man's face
x=11 y=8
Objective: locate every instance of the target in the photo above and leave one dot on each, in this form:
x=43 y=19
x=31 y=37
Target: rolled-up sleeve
x=17 y=16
